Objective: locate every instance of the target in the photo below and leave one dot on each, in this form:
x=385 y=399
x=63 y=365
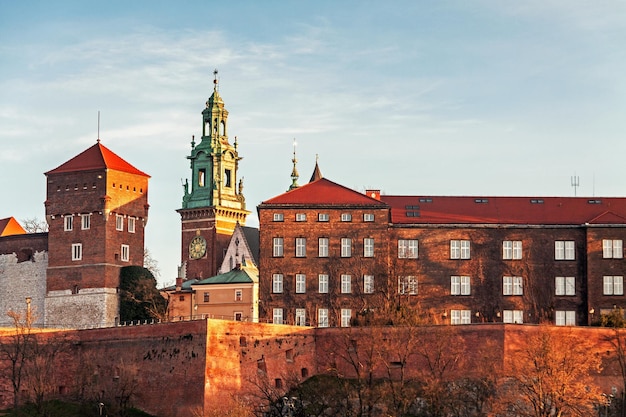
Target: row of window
x=85 y=222
x=322 y=317
x=278 y=247
x=322 y=279
x=324 y=217
x=207 y=296
x=77 y=252
x=121 y=187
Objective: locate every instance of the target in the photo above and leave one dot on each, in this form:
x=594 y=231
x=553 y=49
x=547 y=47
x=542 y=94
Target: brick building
x=329 y=255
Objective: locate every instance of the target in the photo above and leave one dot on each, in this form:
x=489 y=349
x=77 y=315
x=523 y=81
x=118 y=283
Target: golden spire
x=294 y=171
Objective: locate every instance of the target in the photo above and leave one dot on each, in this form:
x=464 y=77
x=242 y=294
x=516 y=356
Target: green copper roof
x=236 y=276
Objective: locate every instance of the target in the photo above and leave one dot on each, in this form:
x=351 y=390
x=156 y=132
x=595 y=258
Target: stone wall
x=90 y=307
x=19 y=280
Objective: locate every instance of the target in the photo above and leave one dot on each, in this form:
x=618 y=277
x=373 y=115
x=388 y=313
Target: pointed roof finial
x=98 y=140
x=294 y=171
x=317 y=173
x=215 y=80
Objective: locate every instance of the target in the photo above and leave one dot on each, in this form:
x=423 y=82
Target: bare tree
x=16 y=349
x=151 y=264
x=34 y=225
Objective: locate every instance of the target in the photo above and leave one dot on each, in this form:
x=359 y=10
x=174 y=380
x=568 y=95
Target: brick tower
x=215 y=203
x=96 y=209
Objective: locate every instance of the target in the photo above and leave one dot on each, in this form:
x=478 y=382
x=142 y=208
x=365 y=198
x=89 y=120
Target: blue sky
x=410 y=97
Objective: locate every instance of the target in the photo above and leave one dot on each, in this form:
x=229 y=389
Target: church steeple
x=294 y=171
x=317 y=173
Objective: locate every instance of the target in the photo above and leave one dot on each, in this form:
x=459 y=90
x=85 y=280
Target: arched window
x=222 y=128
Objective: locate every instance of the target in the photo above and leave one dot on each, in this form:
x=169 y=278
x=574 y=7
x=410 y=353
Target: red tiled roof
x=96 y=157
x=324 y=191
x=10 y=226
x=506 y=210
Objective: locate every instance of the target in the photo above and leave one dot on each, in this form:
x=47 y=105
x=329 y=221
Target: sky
x=468 y=98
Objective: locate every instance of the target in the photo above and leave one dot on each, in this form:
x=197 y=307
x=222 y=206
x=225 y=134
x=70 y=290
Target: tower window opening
x=201 y=177
x=227 y=174
x=222 y=128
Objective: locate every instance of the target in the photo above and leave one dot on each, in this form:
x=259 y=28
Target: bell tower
x=213 y=201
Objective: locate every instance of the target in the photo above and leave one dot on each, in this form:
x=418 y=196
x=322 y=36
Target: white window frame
x=322 y=317
x=238 y=295
x=322 y=283
x=125 y=253
x=368 y=247
x=277 y=316
x=460 y=285
x=277 y=283
x=322 y=247
x=368 y=284
x=119 y=222
x=368 y=217
x=459 y=249
x=565 y=318
x=407 y=285
x=513 y=316
x=512 y=249
x=565 y=286
x=512 y=285
x=346 y=217
x=300 y=317
x=346 y=247
x=300 y=247
x=613 y=285
x=564 y=250
x=300 y=283
x=77 y=251
x=279 y=217
x=612 y=249
x=68 y=223
x=323 y=217
x=85 y=221
x=300 y=217
x=458 y=317
x=346 y=316
x=278 y=247
x=131 y=224
x=346 y=284
x=408 y=248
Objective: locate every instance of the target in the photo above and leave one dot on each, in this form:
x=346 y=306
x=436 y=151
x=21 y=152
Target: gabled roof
x=506 y=210
x=252 y=238
x=97 y=157
x=236 y=276
x=185 y=287
x=324 y=192
x=10 y=227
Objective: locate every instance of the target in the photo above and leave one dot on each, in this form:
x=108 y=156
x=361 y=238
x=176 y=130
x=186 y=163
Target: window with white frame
x=368 y=284
x=565 y=318
x=612 y=248
x=300 y=217
x=512 y=286
x=322 y=317
x=238 y=295
x=513 y=316
x=613 y=285
x=323 y=217
x=346 y=217
x=278 y=217
x=277 y=283
x=459 y=285
x=125 y=253
x=407 y=285
x=277 y=316
x=278 y=247
x=564 y=250
x=322 y=247
x=131 y=225
x=322 y=282
x=300 y=247
x=368 y=217
x=346 y=284
x=565 y=286
x=407 y=248
x=77 y=251
x=300 y=317
x=85 y=221
x=346 y=315
x=68 y=223
x=460 y=317
x=300 y=283
x=512 y=249
x=459 y=249
x=346 y=247
x=119 y=222
x=368 y=247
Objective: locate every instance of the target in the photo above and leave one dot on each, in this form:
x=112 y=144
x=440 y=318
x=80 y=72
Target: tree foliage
x=34 y=225
x=139 y=297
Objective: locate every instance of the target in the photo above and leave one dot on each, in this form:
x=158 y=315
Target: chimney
x=375 y=194
x=179 y=283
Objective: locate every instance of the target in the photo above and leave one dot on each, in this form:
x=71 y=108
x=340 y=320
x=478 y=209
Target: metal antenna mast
x=575 y=181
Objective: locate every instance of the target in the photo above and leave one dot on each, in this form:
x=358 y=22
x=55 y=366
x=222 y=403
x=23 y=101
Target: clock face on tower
x=197 y=247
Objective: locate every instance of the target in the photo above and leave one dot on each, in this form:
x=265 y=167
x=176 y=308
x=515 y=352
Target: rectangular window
x=322 y=247
x=612 y=249
x=513 y=316
x=77 y=251
x=346 y=247
x=565 y=318
x=277 y=283
x=201 y=177
x=368 y=217
x=125 y=253
x=85 y=221
x=300 y=317
x=322 y=280
x=460 y=285
x=368 y=284
x=131 y=225
x=322 y=317
x=407 y=285
x=346 y=217
x=119 y=222
x=512 y=286
x=238 y=316
x=68 y=223
x=613 y=285
x=277 y=316
x=512 y=249
x=238 y=295
x=459 y=249
x=346 y=315
x=300 y=217
x=565 y=286
x=346 y=284
x=300 y=247
x=564 y=250
x=206 y=297
x=407 y=248
x=278 y=217
x=368 y=247
x=322 y=217
x=460 y=317
x=277 y=247
x=300 y=283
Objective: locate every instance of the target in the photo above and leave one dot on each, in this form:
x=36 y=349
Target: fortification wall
x=22 y=279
